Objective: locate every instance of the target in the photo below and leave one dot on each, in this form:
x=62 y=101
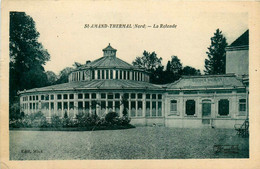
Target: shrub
x=14 y=111
x=56 y=121
x=112 y=117
x=68 y=122
x=86 y=120
x=36 y=120
x=125 y=120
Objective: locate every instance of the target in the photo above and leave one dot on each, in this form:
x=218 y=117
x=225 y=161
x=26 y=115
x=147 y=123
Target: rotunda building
x=99 y=87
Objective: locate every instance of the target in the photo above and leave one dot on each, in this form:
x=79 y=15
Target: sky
x=63 y=34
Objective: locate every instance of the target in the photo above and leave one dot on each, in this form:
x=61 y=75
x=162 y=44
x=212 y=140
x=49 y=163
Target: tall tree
x=52 y=77
x=216 y=61
x=190 y=71
x=173 y=69
x=149 y=61
x=27 y=55
x=64 y=75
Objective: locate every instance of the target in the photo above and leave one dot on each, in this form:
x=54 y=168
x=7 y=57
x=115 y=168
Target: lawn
x=137 y=143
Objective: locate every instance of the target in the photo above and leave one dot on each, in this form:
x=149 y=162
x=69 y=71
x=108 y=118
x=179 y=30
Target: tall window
x=120 y=77
x=103 y=74
x=223 y=107
x=107 y=74
x=111 y=74
x=190 y=107
x=93 y=74
x=116 y=74
x=124 y=74
x=128 y=75
x=242 y=106
x=173 y=107
x=98 y=73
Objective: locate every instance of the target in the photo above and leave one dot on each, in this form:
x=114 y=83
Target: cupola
x=109 y=51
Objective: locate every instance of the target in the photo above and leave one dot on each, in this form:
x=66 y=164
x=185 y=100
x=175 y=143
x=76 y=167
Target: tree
x=149 y=61
x=190 y=71
x=27 y=55
x=158 y=76
x=52 y=78
x=216 y=62
x=64 y=75
x=173 y=69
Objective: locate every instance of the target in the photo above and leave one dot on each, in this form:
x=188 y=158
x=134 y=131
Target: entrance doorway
x=206 y=112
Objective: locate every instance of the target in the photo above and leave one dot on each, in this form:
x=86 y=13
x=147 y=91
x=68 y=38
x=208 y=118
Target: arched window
x=190 y=107
x=223 y=107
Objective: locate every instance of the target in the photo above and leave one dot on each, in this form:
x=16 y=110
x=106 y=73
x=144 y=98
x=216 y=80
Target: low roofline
x=206 y=88
x=206 y=76
x=242 y=47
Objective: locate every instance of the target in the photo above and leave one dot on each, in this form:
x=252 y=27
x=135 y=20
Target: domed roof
x=109 y=60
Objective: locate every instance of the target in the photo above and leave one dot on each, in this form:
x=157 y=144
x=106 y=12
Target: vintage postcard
x=129 y=84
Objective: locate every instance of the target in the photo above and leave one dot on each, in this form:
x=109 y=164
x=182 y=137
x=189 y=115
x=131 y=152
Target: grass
x=137 y=143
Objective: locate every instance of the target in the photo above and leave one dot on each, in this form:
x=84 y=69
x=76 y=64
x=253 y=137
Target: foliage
x=158 y=76
x=15 y=111
x=216 y=62
x=27 y=55
x=174 y=66
x=190 y=71
x=174 y=69
x=52 y=77
x=86 y=119
x=37 y=120
x=64 y=75
x=111 y=117
x=56 y=121
x=149 y=61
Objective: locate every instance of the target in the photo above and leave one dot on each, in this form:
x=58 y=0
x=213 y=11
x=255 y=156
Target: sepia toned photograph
x=111 y=81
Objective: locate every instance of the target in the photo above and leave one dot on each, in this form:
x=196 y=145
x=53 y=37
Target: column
x=98 y=97
x=144 y=104
x=163 y=104
x=55 y=108
x=121 y=105
x=181 y=105
x=75 y=101
x=49 y=105
x=106 y=104
x=114 y=74
x=96 y=74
